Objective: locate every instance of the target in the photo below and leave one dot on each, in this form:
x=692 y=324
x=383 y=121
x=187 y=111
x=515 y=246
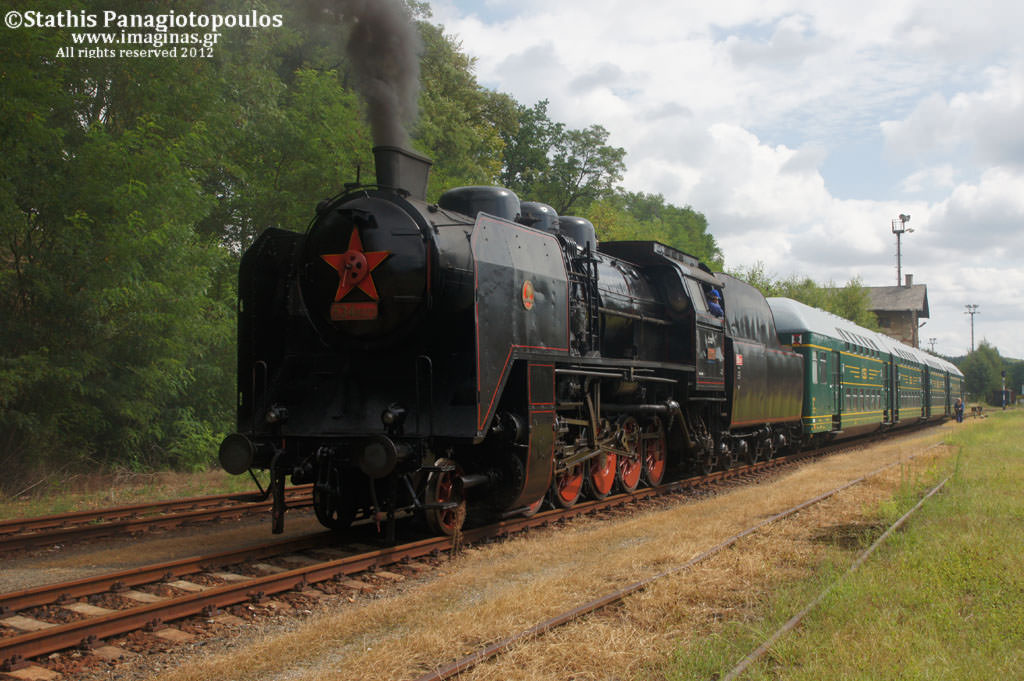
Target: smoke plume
x=384 y=48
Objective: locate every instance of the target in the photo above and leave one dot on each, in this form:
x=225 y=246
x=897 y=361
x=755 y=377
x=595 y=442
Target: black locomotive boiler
x=482 y=355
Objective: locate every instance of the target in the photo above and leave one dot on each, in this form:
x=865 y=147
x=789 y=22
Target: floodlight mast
x=899 y=230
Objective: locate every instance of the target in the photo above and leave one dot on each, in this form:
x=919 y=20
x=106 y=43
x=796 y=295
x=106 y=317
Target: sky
x=802 y=130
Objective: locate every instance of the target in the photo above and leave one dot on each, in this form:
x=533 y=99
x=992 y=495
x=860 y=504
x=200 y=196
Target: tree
x=582 y=169
x=624 y=216
x=111 y=314
x=1015 y=375
x=982 y=371
x=456 y=127
x=528 y=137
x=850 y=302
x=568 y=169
x=853 y=302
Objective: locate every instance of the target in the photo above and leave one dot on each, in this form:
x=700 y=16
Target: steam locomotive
x=482 y=356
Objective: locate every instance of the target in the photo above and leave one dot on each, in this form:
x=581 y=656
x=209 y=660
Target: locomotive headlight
x=277 y=414
x=393 y=416
x=236 y=454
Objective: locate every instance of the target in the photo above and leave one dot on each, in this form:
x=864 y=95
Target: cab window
x=700 y=302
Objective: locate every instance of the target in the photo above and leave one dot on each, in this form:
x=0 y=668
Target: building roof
x=899 y=299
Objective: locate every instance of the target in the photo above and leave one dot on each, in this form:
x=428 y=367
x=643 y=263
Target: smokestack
x=910 y=280
x=384 y=48
x=402 y=169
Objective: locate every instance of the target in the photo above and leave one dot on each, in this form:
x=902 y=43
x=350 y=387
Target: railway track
x=156 y=594
x=203 y=584
x=467 y=662
x=29 y=533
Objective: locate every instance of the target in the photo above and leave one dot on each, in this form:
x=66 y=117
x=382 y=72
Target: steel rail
x=84 y=632
x=467 y=662
x=62 y=520
x=21 y=541
x=87 y=586
x=791 y=624
x=58 y=637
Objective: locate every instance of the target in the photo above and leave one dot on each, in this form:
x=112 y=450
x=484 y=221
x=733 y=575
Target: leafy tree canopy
x=629 y=216
x=849 y=302
x=982 y=371
x=567 y=169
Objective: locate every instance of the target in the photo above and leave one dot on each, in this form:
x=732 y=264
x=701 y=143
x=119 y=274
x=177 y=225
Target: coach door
x=886 y=392
x=835 y=374
x=894 y=390
x=926 y=391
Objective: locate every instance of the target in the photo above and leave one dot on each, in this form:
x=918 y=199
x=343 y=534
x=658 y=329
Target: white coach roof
x=795 y=317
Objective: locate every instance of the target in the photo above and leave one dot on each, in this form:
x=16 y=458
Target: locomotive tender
x=483 y=355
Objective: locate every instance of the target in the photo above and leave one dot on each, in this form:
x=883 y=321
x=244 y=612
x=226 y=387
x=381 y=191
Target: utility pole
x=931 y=342
x=972 y=310
x=899 y=230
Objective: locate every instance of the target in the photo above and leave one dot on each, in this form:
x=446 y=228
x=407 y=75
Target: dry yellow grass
x=490 y=592
x=63 y=494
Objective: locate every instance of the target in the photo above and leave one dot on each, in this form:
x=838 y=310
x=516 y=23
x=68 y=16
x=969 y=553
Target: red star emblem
x=354 y=267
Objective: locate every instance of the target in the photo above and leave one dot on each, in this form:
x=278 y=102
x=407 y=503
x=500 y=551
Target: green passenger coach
x=858 y=381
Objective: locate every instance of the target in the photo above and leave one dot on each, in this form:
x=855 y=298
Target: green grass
x=941 y=599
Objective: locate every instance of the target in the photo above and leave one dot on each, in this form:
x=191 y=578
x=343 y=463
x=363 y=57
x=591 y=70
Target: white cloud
x=985 y=123
x=985 y=219
x=793 y=41
x=933 y=177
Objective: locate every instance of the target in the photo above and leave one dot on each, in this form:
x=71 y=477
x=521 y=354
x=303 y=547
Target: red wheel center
x=654 y=460
x=629 y=471
x=569 y=484
x=603 y=476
